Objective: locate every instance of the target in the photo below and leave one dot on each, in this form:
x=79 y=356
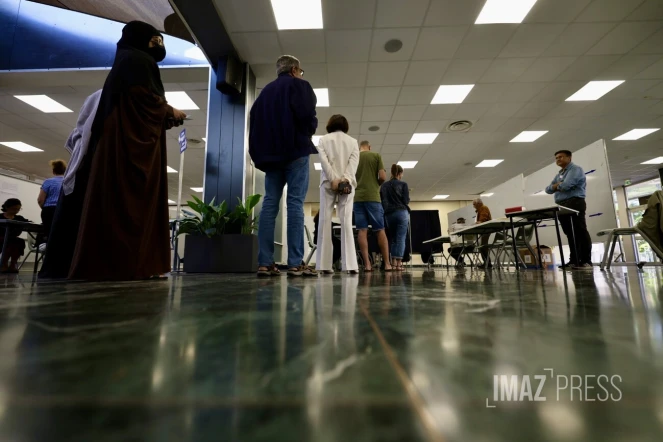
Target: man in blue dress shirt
x=569 y=188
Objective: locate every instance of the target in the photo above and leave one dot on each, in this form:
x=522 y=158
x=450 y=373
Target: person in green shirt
x=368 y=205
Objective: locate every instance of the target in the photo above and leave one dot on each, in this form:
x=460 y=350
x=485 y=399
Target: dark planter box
x=225 y=254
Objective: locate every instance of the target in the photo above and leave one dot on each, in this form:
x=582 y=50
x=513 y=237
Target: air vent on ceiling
x=393 y=45
x=459 y=126
x=374 y=128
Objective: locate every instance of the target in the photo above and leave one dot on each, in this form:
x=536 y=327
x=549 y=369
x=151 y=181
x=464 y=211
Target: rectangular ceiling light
x=316 y=140
x=440 y=197
x=323 y=97
x=658 y=160
x=529 y=136
x=504 y=11
x=486 y=195
x=407 y=164
x=451 y=94
x=180 y=100
x=318 y=166
x=170 y=169
x=635 y=134
x=489 y=163
x=21 y=147
x=594 y=90
x=197 y=189
x=423 y=138
x=298 y=14
x=43 y=103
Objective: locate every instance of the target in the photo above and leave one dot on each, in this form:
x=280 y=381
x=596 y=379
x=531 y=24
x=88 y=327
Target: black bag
x=342 y=186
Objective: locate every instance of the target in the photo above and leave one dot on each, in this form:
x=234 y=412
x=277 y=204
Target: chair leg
x=612 y=250
x=606 y=249
x=310 y=255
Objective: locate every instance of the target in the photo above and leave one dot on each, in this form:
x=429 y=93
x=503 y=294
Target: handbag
x=343 y=186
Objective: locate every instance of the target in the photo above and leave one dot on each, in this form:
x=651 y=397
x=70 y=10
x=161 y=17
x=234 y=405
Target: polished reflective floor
x=443 y=356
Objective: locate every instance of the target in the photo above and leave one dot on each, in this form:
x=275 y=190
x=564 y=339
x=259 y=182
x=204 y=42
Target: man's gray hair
x=477 y=200
x=285 y=63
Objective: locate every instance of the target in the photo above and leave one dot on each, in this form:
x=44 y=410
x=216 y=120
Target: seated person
x=15 y=245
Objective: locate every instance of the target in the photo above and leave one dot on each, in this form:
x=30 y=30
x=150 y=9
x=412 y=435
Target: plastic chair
x=611 y=241
x=311 y=244
x=523 y=238
x=38 y=250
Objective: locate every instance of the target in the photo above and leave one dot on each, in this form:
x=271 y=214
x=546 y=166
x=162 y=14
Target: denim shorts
x=369 y=213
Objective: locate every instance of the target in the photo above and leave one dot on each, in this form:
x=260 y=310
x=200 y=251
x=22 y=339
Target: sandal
x=272 y=270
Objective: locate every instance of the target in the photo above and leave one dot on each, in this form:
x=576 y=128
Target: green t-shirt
x=368 y=188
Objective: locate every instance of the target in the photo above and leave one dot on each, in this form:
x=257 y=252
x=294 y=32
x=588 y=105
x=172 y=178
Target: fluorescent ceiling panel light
x=504 y=11
x=43 y=103
x=529 y=136
x=180 y=100
x=489 y=163
x=318 y=166
x=635 y=134
x=298 y=14
x=423 y=138
x=316 y=140
x=407 y=164
x=170 y=169
x=440 y=197
x=594 y=90
x=486 y=195
x=323 y=97
x=658 y=160
x=451 y=94
x=171 y=202
x=197 y=189
x=21 y=147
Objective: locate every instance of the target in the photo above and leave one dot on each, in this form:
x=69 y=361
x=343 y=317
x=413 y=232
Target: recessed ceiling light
x=298 y=14
x=440 y=197
x=43 y=103
x=170 y=169
x=594 y=90
x=529 y=136
x=317 y=166
x=407 y=164
x=451 y=94
x=180 y=100
x=316 y=140
x=323 y=97
x=635 y=134
x=486 y=195
x=423 y=138
x=171 y=202
x=658 y=160
x=197 y=189
x=504 y=11
x=21 y=147
x=489 y=163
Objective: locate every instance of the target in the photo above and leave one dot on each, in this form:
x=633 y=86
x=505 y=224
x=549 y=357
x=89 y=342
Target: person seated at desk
x=15 y=245
x=483 y=215
x=456 y=241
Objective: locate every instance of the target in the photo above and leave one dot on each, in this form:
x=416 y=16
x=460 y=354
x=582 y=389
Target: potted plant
x=220 y=241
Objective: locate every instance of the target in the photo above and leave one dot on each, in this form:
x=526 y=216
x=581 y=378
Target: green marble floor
x=440 y=356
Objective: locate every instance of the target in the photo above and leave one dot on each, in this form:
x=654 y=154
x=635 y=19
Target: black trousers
x=47 y=214
x=582 y=238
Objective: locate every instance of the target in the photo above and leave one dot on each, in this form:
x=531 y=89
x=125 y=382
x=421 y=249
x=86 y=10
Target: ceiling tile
x=426 y=72
x=439 y=43
x=377 y=113
x=400 y=14
x=578 y=38
x=376 y=138
x=516 y=125
x=506 y=70
x=608 y=10
x=381 y=36
x=485 y=93
x=386 y=73
x=347 y=74
x=558 y=91
x=435 y=126
x=409 y=113
x=649 y=10
x=504 y=109
x=391 y=149
x=469 y=111
x=651 y=45
x=308 y=45
x=485 y=41
x=536 y=109
x=530 y=40
x=335 y=14
x=348 y=46
x=247 y=15
x=655 y=71
x=258 y=47
x=453 y=12
x=624 y=37
x=381 y=96
x=628 y=67
x=316 y=74
x=521 y=92
x=465 y=71
x=440 y=111
x=557 y=11
x=402 y=127
x=351 y=96
x=588 y=67
x=402 y=139
x=546 y=69
x=417 y=94
x=351 y=113
x=488 y=124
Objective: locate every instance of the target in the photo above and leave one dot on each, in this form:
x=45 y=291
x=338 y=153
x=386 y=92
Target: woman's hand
x=334 y=185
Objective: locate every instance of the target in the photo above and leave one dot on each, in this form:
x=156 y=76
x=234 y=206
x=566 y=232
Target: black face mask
x=157 y=52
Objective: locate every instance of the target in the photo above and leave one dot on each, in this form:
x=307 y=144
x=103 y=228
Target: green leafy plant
x=210 y=220
x=241 y=218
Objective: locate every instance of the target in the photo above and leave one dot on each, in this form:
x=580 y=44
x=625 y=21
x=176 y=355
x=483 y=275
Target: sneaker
x=302 y=271
x=585 y=266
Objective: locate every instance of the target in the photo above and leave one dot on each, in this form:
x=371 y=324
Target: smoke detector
x=459 y=126
x=393 y=45
x=374 y=128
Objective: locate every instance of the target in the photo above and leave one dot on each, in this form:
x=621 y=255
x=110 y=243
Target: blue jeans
x=397 y=223
x=295 y=175
x=369 y=213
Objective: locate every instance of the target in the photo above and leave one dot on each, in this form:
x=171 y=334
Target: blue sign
x=183 y=140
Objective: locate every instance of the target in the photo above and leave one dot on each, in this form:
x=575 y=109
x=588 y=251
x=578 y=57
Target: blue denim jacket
x=574 y=184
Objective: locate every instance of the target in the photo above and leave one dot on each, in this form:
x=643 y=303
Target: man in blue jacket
x=569 y=190
x=282 y=123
